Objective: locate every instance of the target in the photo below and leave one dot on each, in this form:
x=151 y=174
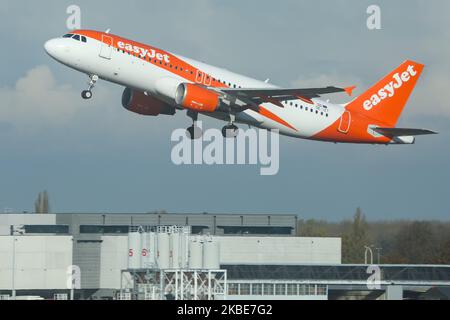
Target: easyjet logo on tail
x=389 y=90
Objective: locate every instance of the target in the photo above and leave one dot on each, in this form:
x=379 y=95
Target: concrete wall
x=114 y=258
x=41 y=262
x=279 y=250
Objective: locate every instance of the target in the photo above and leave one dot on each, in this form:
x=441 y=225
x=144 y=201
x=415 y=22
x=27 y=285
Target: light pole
x=379 y=254
x=14 y=268
x=368 y=250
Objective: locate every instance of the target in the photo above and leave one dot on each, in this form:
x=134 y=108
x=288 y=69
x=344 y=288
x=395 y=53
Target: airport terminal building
x=188 y=256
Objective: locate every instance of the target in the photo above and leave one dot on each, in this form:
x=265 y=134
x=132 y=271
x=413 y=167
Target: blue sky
x=97 y=157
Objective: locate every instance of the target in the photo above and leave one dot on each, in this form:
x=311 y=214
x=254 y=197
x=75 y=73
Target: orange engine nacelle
x=138 y=102
x=196 y=98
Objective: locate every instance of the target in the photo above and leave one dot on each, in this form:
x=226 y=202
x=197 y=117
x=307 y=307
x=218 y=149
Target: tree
x=354 y=240
x=416 y=243
x=41 y=205
x=313 y=228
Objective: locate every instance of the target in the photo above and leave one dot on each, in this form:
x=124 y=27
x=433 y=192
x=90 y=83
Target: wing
x=254 y=97
x=403 y=132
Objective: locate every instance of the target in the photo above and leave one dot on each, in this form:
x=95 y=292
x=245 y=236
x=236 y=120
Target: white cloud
x=432 y=95
x=37 y=101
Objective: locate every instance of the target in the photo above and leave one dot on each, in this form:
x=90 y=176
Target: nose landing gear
x=87 y=94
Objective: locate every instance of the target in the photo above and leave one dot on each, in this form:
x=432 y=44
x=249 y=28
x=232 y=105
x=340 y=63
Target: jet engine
x=138 y=102
x=196 y=98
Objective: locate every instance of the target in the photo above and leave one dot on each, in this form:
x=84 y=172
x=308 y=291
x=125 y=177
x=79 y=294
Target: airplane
x=158 y=82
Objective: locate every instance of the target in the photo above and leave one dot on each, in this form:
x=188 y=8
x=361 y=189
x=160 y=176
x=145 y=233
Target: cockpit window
x=76 y=37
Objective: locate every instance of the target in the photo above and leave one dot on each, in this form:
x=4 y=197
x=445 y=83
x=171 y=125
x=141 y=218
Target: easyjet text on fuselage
x=143 y=52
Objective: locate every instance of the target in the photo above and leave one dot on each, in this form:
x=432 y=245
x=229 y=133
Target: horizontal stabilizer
x=402 y=132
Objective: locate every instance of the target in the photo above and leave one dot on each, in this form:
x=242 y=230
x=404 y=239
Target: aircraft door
x=107 y=47
x=199 y=77
x=346 y=120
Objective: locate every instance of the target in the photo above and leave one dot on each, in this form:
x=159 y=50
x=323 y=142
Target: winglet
x=349 y=90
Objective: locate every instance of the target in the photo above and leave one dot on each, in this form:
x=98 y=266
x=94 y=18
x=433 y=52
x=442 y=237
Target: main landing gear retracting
x=87 y=94
x=194 y=132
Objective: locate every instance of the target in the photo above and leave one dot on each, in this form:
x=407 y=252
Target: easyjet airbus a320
x=158 y=82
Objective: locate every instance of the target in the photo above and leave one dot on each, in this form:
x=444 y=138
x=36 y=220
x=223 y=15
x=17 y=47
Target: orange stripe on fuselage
x=190 y=74
x=181 y=66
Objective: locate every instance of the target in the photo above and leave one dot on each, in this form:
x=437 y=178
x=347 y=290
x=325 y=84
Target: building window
x=302 y=290
x=56 y=229
x=233 y=289
x=198 y=229
x=244 y=289
x=292 y=289
x=322 y=290
x=280 y=289
x=268 y=289
x=257 y=289
x=311 y=290
x=255 y=230
x=103 y=229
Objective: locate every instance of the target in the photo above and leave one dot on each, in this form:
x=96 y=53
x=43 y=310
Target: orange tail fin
x=386 y=99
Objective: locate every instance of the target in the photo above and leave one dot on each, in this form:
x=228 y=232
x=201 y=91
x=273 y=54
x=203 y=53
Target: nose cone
x=56 y=48
x=51 y=47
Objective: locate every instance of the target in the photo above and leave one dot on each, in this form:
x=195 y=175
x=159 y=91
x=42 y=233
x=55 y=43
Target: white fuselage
x=112 y=64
